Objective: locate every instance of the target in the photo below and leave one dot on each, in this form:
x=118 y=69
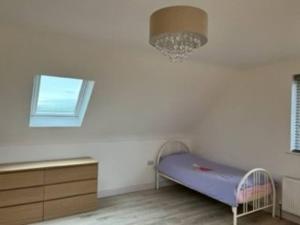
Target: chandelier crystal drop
x=177 y=46
x=177 y=31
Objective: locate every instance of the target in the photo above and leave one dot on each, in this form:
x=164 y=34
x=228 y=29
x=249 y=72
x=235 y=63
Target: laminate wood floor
x=174 y=205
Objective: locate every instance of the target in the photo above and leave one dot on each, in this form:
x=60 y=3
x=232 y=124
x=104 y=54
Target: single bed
x=245 y=192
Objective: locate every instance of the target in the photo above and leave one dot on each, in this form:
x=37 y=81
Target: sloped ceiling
x=138 y=93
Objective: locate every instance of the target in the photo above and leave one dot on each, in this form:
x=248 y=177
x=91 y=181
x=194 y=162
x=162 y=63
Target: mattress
x=212 y=179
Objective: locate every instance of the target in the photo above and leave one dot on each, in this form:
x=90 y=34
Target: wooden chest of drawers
x=37 y=191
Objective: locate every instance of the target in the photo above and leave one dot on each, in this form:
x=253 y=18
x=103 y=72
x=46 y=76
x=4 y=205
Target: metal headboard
x=171 y=147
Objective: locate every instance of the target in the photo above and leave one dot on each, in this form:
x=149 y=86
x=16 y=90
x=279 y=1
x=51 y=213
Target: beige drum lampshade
x=178 y=30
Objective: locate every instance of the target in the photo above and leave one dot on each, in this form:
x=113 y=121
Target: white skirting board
x=285 y=215
x=129 y=189
x=291 y=217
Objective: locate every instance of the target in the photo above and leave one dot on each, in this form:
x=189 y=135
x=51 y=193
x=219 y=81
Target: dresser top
x=14 y=167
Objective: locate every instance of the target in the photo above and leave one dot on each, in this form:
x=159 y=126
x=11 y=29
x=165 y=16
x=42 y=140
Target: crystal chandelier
x=178 y=30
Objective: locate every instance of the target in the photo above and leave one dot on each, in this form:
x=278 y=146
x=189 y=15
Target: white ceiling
x=241 y=32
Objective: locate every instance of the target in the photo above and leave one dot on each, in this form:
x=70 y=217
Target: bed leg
x=157 y=181
x=234 y=211
x=274 y=205
x=274 y=210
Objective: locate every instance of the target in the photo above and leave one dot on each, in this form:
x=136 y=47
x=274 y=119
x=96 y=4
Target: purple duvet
x=212 y=179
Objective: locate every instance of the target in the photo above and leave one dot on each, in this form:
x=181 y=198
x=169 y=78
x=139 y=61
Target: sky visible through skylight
x=58 y=95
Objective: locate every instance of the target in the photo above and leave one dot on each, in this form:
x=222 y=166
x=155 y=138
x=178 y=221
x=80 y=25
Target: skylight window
x=59 y=101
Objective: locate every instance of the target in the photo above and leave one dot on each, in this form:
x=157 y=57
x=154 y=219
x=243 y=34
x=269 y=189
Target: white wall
x=135 y=94
x=122 y=163
x=249 y=126
x=139 y=100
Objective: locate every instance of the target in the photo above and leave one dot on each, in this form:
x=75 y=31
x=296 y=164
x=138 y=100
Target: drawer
x=21 y=196
x=70 y=189
x=21 y=179
x=21 y=215
x=69 y=206
x=75 y=173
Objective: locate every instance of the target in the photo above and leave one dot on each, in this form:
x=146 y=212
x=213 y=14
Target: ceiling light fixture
x=177 y=31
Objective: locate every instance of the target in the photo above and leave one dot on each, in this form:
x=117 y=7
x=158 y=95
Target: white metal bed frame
x=260 y=202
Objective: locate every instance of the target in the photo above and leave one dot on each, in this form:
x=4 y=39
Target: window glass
x=58 y=95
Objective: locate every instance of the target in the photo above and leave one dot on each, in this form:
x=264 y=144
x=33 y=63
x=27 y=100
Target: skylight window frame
x=82 y=92
x=55 y=119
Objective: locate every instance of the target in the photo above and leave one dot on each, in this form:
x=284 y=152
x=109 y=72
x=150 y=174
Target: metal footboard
x=256 y=191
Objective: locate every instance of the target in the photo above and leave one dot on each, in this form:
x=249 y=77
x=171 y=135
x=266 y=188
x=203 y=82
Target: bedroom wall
x=249 y=126
x=139 y=100
x=122 y=163
x=136 y=94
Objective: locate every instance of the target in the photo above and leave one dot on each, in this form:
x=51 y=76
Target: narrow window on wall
x=59 y=101
x=295 y=118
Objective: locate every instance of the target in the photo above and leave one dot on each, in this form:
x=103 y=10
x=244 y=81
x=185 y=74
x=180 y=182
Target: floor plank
x=174 y=205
